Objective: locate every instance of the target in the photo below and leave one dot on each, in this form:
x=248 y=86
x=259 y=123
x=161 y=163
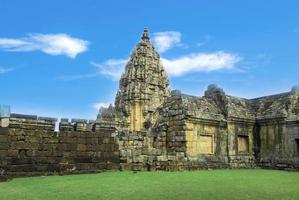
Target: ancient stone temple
x=143 y=85
x=152 y=128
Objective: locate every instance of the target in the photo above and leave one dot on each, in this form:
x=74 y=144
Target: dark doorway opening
x=297 y=147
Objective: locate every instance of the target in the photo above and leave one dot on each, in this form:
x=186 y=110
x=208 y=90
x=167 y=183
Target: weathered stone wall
x=241 y=142
x=3 y=152
x=31 y=146
x=178 y=140
x=136 y=152
x=278 y=145
x=277 y=130
x=198 y=133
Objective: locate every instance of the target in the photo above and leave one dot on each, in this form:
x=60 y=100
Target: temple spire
x=145 y=35
x=143 y=86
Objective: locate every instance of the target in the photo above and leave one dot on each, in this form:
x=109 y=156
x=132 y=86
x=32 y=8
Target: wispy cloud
x=200 y=62
x=11 y=43
x=4 y=70
x=52 y=44
x=100 y=105
x=203 y=41
x=259 y=62
x=77 y=76
x=164 y=41
x=112 y=67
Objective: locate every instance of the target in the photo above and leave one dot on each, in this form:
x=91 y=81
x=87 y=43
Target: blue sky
x=62 y=58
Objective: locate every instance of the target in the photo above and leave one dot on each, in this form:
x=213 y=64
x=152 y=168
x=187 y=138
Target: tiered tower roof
x=144 y=79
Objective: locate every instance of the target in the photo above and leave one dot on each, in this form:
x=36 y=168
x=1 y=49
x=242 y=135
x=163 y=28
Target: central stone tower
x=143 y=86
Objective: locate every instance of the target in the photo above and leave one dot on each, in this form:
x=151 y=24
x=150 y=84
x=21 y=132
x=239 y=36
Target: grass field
x=216 y=184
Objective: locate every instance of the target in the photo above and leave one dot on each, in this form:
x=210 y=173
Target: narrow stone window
x=297 y=147
x=243 y=144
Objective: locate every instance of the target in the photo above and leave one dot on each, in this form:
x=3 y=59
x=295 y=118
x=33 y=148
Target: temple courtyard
x=207 y=184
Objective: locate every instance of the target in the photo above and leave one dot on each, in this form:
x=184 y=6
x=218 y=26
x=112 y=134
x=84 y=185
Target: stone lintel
x=241 y=120
x=292 y=122
x=208 y=121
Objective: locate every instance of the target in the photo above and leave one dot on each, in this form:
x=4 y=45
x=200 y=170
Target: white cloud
x=164 y=41
x=112 y=67
x=179 y=66
x=4 y=70
x=200 y=62
x=52 y=44
x=11 y=43
x=100 y=105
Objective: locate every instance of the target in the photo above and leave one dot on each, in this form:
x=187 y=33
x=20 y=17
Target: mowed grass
x=215 y=184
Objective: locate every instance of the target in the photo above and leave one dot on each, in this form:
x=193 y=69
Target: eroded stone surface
x=217 y=127
x=151 y=128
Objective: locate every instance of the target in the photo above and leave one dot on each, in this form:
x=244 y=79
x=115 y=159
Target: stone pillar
x=4 y=123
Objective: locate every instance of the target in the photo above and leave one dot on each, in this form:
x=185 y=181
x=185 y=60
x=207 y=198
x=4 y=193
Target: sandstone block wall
x=30 y=146
x=241 y=142
x=3 y=148
x=279 y=143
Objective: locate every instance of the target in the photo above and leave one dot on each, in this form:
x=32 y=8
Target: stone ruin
x=152 y=128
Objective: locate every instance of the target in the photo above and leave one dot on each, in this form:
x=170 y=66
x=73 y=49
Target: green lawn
x=216 y=184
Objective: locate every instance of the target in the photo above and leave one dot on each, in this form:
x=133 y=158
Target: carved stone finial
x=145 y=35
x=218 y=95
x=214 y=89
